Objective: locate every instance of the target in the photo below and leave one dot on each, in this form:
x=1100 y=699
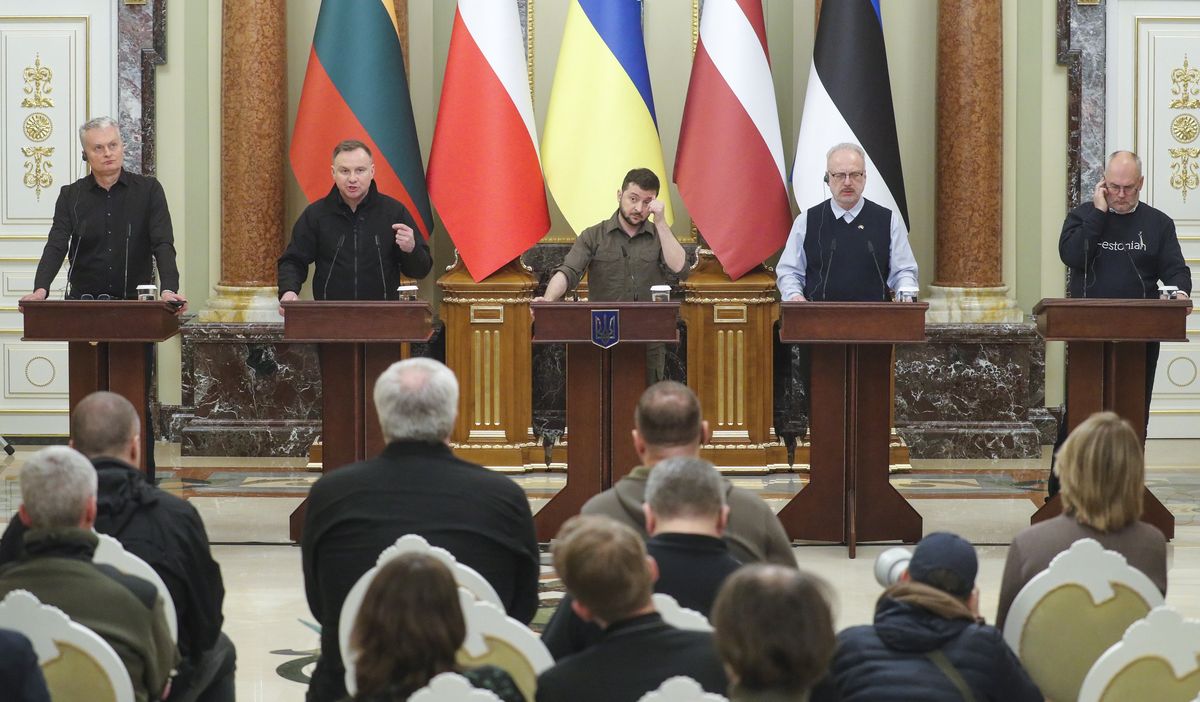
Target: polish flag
x=484 y=175
x=729 y=165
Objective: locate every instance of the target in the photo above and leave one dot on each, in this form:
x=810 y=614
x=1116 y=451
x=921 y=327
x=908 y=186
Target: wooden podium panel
x=849 y=497
x=603 y=387
x=108 y=346
x=357 y=341
x=1106 y=369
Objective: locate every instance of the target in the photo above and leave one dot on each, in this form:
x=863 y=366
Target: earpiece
x=825 y=178
x=83 y=155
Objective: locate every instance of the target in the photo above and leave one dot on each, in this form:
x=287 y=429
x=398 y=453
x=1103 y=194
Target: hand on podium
x=180 y=300
x=287 y=297
x=797 y=297
x=39 y=294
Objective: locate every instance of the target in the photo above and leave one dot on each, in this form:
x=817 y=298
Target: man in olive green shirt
x=625 y=255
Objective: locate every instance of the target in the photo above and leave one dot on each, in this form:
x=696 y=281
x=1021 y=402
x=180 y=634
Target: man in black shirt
x=685 y=514
x=1118 y=247
x=360 y=239
x=108 y=225
x=416 y=486
x=606 y=570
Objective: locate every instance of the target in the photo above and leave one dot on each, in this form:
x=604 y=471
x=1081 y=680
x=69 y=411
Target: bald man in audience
x=667 y=424
x=685 y=514
x=58 y=504
x=607 y=571
x=161 y=529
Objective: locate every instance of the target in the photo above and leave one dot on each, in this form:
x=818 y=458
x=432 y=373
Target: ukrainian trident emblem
x=606 y=328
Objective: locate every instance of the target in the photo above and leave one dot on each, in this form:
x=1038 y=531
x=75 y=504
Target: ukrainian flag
x=601 y=121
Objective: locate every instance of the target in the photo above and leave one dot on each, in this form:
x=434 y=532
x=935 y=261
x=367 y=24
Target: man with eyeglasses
x=857 y=251
x=1118 y=247
x=112 y=226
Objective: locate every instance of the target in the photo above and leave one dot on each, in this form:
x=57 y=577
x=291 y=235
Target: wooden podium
x=848 y=497
x=1106 y=369
x=357 y=341
x=108 y=345
x=603 y=388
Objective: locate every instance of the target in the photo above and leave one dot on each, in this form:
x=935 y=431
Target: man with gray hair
x=163 y=530
x=416 y=486
x=686 y=514
x=857 y=250
x=58 y=504
x=108 y=225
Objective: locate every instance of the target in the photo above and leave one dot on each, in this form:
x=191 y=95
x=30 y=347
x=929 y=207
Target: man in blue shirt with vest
x=858 y=250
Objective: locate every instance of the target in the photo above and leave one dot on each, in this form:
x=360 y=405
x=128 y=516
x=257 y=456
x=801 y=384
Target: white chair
x=111 y=552
x=1158 y=659
x=77 y=662
x=681 y=689
x=678 y=616
x=1070 y=613
x=467 y=578
x=452 y=687
x=494 y=638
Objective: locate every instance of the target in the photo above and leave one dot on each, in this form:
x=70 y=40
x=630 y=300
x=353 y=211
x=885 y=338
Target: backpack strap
x=943 y=663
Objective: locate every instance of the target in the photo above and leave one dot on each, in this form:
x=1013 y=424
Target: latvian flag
x=484 y=174
x=729 y=167
x=850 y=100
x=355 y=88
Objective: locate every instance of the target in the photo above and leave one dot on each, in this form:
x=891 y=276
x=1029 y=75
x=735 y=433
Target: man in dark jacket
x=928 y=641
x=161 y=529
x=58 y=504
x=416 y=486
x=360 y=239
x=20 y=676
x=685 y=514
x=606 y=569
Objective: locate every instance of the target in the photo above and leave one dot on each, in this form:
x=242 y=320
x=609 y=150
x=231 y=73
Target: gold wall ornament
x=37 y=84
x=37 y=168
x=1185 y=169
x=1185 y=86
x=1185 y=128
x=38 y=126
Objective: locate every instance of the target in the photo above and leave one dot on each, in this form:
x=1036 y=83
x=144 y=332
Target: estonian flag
x=849 y=99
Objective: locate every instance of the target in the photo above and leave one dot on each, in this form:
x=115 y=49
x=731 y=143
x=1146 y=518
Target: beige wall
x=1033 y=175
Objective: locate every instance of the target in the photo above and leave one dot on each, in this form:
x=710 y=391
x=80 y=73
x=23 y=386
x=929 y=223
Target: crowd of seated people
x=673 y=526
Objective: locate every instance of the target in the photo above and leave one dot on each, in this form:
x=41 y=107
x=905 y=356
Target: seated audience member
x=20 y=675
x=606 y=570
x=685 y=514
x=928 y=641
x=667 y=424
x=58 y=504
x=774 y=632
x=416 y=486
x=1102 y=472
x=161 y=529
x=408 y=630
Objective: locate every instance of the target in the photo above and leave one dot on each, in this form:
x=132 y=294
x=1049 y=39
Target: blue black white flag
x=849 y=99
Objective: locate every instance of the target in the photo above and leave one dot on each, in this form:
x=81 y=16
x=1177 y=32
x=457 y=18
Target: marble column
x=253 y=137
x=968 y=283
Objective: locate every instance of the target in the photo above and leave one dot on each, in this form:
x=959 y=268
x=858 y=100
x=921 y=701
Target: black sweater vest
x=848 y=262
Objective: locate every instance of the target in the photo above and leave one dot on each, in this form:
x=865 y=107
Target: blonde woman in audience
x=408 y=630
x=1103 y=472
x=774 y=633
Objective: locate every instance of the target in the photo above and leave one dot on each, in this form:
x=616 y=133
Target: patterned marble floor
x=245 y=503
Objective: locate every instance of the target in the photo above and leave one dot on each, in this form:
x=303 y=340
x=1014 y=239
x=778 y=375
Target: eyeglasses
x=1120 y=189
x=852 y=175
x=89 y=296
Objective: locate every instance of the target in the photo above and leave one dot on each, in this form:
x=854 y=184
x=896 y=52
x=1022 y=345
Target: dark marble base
x=973 y=391
x=246 y=392
x=971 y=440
x=218 y=437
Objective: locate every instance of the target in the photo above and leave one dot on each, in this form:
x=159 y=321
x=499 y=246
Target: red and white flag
x=485 y=178
x=729 y=166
